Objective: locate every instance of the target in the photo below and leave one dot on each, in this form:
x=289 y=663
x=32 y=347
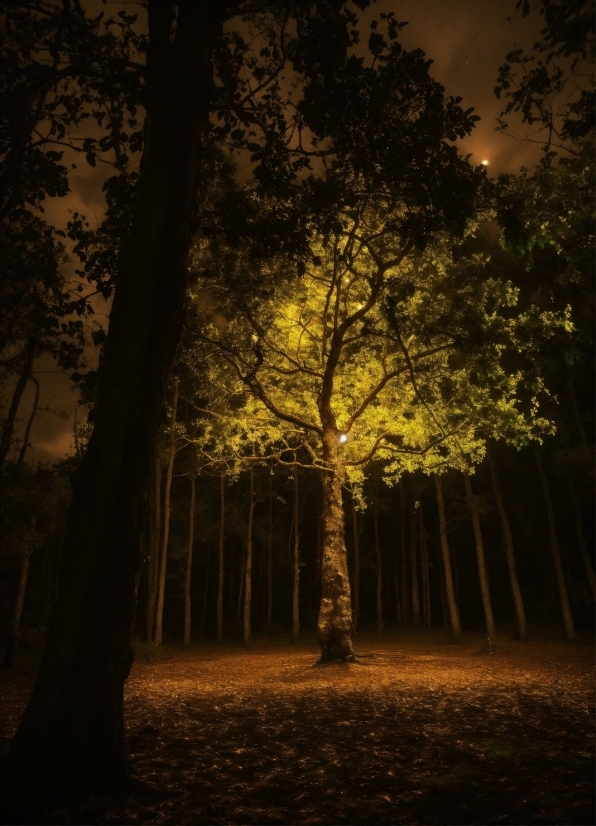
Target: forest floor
x=422 y=733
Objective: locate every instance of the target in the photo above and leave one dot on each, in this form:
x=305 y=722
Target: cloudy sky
x=467 y=41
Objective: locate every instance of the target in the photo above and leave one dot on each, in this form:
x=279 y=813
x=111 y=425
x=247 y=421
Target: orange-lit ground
x=423 y=733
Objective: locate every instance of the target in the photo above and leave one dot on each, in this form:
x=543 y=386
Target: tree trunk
x=18 y=611
x=415 y=601
x=32 y=416
x=72 y=732
x=454 y=620
x=555 y=550
x=220 y=575
x=269 y=554
x=356 y=596
x=403 y=553
x=334 y=623
x=155 y=546
x=379 y=560
x=581 y=539
x=161 y=591
x=17 y=395
x=482 y=573
x=296 y=567
x=424 y=567
x=248 y=564
x=518 y=601
x=188 y=577
x=205 y=592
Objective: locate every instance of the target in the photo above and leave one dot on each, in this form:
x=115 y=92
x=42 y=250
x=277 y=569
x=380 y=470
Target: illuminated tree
x=377 y=352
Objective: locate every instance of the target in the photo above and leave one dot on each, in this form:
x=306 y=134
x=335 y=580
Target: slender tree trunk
x=403 y=553
x=32 y=416
x=220 y=575
x=248 y=564
x=188 y=577
x=379 y=560
x=158 y=639
x=72 y=731
x=454 y=620
x=581 y=539
x=155 y=546
x=334 y=623
x=356 y=597
x=296 y=567
x=555 y=550
x=518 y=601
x=241 y=579
x=425 y=572
x=482 y=573
x=17 y=395
x=269 y=554
x=205 y=592
x=414 y=569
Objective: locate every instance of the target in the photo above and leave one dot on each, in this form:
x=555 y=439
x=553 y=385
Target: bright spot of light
x=343 y=438
x=484 y=163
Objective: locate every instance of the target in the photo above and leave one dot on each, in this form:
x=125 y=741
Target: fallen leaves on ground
x=420 y=733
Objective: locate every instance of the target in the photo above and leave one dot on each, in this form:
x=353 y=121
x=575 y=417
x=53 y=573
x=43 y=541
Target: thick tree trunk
x=581 y=539
x=555 y=550
x=454 y=620
x=415 y=601
x=334 y=624
x=356 y=595
x=17 y=395
x=155 y=546
x=161 y=591
x=269 y=553
x=72 y=732
x=379 y=561
x=518 y=601
x=188 y=577
x=247 y=629
x=481 y=559
x=33 y=414
x=220 y=574
x=296 y=567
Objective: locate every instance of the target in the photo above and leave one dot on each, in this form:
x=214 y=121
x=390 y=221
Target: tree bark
x=72 y=732
x=33 y=414
x=248 y=564
x=269 y=553
x=454 y=620
x=15 y=633
x=155 y=546
x=518 y=601
x=17 y=395
x=555 y=550
x=481 y=559
x=296 y=567
x=334 y=623
x=161 y=592
x=220 y=575
x=415 y=601
x=379 y=560
x=404 y=554
x=425 y=570
x=188 y=577
x=581 y=539
x=356 y=595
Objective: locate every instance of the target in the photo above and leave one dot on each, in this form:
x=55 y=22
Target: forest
x=334 y=386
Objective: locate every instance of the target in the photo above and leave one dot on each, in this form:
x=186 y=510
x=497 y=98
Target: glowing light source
x=484 y=163
x=343 y=438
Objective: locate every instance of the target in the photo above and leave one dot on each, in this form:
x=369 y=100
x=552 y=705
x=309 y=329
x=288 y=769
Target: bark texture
x=220 y=570
x=379 y=561
x=9 y=422
x=188 y=576
x=334 y=624
x=72 y=732
x=356 y=594
x=248 y=566
x=296 y=567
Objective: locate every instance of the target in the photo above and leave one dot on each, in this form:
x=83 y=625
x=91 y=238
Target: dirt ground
x=423 y=732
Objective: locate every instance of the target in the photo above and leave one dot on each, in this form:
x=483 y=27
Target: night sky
x=466 y=39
